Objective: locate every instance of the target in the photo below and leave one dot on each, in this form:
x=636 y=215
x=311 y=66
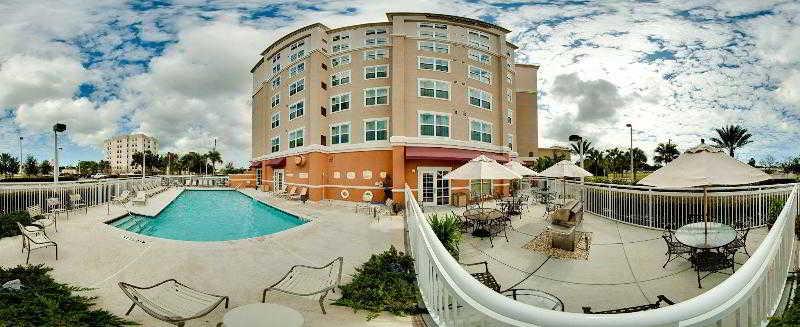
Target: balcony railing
x=746 y=298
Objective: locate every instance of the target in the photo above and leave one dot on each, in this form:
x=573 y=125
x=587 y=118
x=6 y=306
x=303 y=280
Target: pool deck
x=96 y=255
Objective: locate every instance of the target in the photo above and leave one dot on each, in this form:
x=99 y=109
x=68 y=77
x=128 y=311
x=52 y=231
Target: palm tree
x=731 y=137
x=665 y=153
x=597 y=162
x=587 y=147
x=214 y=157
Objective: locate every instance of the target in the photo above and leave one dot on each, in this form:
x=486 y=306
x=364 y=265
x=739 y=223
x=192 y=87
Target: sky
x=179 y=70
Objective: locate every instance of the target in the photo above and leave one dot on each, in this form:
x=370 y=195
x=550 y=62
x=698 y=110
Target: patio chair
x=302 y=196
x=76 y=202
x=740 y=242
x=291 y=192
x=140 y=198
x=55 y=207
x=33 y=239
x=40 y=220
x=675 y=249
x=122 y=197
x=464 y=225
x=710 y=262
x=636 y=308
x=172 y=302
x=485 y=277
x=302 y=280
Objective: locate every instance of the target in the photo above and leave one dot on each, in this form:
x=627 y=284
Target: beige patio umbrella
x=704 y=166
x=518 y=168
x=564 y=169
x=482 y=167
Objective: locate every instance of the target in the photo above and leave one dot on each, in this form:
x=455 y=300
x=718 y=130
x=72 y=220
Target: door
x=433 y=188
x=277 y=179
x=258 y=177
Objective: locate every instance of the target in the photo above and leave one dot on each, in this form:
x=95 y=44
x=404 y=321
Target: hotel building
x=343 y=111
x=118 y=151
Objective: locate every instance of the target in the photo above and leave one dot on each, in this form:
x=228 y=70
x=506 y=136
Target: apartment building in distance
x=119 y=150
x=345 y=111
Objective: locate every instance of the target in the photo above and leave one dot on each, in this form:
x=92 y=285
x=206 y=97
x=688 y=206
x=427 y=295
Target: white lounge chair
x=302 y=280
x=171 y=301
x=291 y=192
x=35 y=212
x=300 y=196
x=35 y=239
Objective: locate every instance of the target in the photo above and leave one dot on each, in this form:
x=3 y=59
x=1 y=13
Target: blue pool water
x=211 y=216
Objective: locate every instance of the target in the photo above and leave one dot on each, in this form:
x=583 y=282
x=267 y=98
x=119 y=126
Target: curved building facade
x=370 y=108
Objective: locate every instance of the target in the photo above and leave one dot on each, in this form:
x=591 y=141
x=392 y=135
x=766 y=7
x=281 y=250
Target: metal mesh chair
x=675 y=249
x=485 y=277
x=740 y=242
x=302 y=280
x=35 y=238
x=710 y=262
x=171 y=301
x=76 y=202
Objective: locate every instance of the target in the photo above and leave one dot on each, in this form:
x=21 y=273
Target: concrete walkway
x=96 y=255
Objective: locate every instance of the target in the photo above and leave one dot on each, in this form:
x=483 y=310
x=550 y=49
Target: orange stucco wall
x=247 y=180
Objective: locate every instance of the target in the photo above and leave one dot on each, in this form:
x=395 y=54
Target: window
x=480 y=98
x=297 y=87
x=276 y=82
x=340 y=102
x=433 y=46
x=341 y=37
x=433 y=34
x=297 y=69
x=509 y=115
x=510 y=78
x=479 y=74
x=276 y=120
x=275 y=144
x=372 y=72
x=431 y=124
x=298 y=50
x=375 y=41
x=478 y=39
x=275 y=57
x=296 y=138
x=509 y=95
x=340 y=134
x=276 y=68
x=340 y=47
x=375 y=31
x=432 y=25
x=376 y=130
x=375 y=54
x=429 y=88
x=340 y=61
x=276 y=100
x=510 y=141
x=426 y=63
x=480 y=131
x=296 y=110
x=376 y=96
x=340 y=78
x=479 y=56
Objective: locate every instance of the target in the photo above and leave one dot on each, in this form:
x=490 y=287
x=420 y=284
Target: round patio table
x=262 y=315
x=693 y=235
x=482 y=217
x=536 y=298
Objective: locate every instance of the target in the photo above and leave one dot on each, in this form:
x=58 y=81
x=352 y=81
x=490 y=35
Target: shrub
x=774 y=210
x=8 y=226
x=386 y=282
x=791 y=316
x=448 y=231
x=44 y=302
x=40 y=179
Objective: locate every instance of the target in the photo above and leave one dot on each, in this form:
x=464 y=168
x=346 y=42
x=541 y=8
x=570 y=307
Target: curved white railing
x=746 y=298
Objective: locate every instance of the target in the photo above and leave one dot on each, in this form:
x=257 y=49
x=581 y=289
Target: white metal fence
x=18 y=196
x=658 y=207
x=746 y=298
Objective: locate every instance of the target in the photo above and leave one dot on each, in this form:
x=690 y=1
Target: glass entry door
x=258 y=177
x=433 y=188
x=277 y=179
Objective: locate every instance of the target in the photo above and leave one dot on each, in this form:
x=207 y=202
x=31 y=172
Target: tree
x=104 y=166
x=88 y=168
x=587 y=147
x=639 y=159
x=31 y=166
x=731 y=137
x=46 y=168
x=665 y=153
x=193 y=162
x=214 y=157
x=171 y=162
x=152 y=160
x=8 y=164
x=596 y=162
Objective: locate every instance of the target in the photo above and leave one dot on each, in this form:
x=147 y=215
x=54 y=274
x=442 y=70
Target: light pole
x=58 y=127
x=20 y=154
x=144 y=163
x=579 y=139
x=633 y=173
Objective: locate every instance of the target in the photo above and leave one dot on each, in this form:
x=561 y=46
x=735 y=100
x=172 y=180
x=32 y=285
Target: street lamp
x=20 y=154
x=57 y=128
x=633 y=176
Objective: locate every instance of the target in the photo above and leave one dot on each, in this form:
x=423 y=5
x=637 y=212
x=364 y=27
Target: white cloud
x=26 y=79
x=86 y=123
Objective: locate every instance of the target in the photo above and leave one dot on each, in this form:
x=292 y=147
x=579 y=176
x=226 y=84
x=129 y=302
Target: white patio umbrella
x=564 y=169
x=518 y=168
x=482 y=167
x=704 y=166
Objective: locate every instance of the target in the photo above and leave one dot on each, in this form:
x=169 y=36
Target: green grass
x=45 y=302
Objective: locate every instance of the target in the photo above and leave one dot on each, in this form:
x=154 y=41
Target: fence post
x=650 y=206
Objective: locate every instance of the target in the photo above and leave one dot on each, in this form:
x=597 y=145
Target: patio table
x=262 y=315
x=482 y=217
x=693 y=235
x=536 y=298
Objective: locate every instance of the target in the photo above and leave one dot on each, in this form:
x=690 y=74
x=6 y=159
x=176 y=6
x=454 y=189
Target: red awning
x=447 y=154
x=276 y=162
x=255 y=164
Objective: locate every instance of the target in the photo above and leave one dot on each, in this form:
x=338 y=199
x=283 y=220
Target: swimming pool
x=211 y=216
